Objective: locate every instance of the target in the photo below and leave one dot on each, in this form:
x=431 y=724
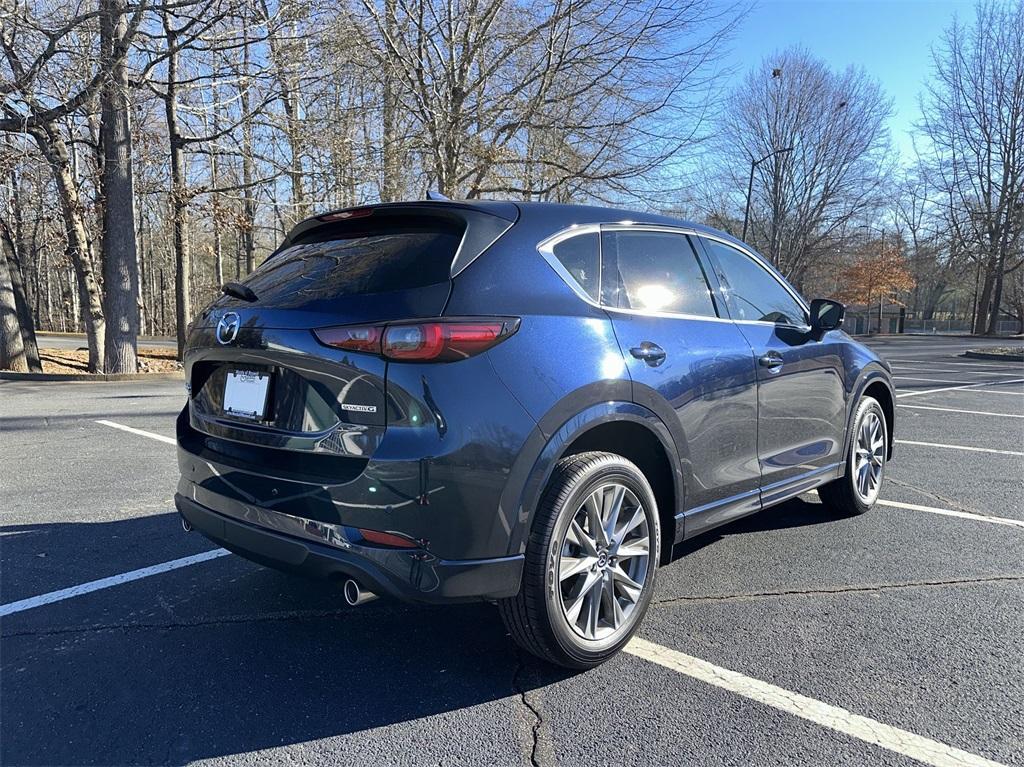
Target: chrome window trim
x=546 y=249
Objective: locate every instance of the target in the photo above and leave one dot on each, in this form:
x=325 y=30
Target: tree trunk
x=12 y=350
x=52 y=146
x=14 y=237
x=120 y=250
x=392 y=172
x=997 y=296
x=248 y=198
x=24 y=309
x=981 y=313
x=178 y=197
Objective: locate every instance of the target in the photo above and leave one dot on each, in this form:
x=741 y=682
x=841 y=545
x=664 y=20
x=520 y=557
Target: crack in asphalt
x=842 y=590
x=534 y=711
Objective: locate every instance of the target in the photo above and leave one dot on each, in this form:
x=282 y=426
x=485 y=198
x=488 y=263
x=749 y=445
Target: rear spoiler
x=484 y=223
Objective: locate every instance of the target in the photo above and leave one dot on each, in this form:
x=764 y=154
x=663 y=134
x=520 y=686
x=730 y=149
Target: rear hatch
x=257 y=375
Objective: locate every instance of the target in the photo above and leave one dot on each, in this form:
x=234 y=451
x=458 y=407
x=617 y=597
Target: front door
x=801 y=399
x=678 y=349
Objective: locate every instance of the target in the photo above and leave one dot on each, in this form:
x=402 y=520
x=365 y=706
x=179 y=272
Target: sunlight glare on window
x=655 y=297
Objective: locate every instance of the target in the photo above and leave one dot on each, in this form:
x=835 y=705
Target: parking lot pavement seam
x=346 y=612
x=534 y=711
x=862 y=589
x=949 y=501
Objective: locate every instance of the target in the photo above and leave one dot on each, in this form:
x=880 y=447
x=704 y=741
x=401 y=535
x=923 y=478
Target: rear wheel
x=857 y=490
x=590 y=562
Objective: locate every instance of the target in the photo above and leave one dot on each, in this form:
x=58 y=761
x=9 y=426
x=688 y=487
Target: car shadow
x=226 y=657
x=793 y=513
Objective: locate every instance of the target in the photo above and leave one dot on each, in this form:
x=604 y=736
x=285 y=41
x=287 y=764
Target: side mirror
x=826 y=314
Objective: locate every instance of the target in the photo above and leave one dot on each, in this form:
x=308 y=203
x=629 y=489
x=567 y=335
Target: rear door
x=678 y=350
x=801 y=397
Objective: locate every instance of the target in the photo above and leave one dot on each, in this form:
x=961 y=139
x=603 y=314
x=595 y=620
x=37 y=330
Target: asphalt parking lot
x=786 y=638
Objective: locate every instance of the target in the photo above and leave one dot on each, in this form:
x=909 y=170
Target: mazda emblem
x=227 y=328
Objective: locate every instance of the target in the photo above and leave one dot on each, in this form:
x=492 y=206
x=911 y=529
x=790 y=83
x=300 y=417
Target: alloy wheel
x=603 y=563
x=869 y=457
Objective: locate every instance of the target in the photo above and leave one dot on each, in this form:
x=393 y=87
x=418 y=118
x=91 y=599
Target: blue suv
x=525 y=403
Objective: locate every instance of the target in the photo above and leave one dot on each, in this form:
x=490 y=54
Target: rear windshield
x=354 y=258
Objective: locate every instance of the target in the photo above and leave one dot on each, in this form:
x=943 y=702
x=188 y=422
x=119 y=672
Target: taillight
x=434 y=341
x=354 y=338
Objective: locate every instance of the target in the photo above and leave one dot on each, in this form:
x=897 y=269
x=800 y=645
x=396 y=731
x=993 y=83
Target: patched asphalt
x=911 y=618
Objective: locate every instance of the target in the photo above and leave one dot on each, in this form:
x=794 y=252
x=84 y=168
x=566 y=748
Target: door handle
x=649 y=352
x=771 y=360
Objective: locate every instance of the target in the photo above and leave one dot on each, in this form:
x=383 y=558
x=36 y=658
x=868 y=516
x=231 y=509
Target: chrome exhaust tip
x=186 y=525
x=356 y=594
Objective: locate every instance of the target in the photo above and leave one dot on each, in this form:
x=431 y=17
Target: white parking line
x=949 y=364
x=835 y=718
x=957 y=447
x=955 y=410
x=988 y=373
x=106 y=583
x=934 y=380
x=993 y=391
x=973 y=386
x=953 y=513
x=958 y=369
x=140 y=432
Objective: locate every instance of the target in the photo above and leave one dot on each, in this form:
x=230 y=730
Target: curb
x=9 y=375
x=68 y=334
x=989 y=356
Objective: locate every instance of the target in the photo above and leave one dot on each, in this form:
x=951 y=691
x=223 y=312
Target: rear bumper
x=410 y=575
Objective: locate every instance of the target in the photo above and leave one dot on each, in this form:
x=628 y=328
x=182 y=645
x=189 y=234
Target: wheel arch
x=875 y=383
x=623 y=428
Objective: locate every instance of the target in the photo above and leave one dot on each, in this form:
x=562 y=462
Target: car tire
x=583 y=596
x=856 y=492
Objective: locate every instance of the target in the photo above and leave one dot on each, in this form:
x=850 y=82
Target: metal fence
x=862 y=323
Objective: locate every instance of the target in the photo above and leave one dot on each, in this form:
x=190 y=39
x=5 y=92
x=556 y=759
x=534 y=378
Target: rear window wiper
x=238 y=290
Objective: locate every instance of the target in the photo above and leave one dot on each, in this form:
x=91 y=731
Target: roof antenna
x=436 y=196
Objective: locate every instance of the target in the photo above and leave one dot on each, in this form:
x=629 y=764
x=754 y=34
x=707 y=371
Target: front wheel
x=857 y=490
x=590 y=562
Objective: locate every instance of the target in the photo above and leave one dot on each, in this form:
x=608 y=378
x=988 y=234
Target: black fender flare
x=872 y=373
x=543 y=449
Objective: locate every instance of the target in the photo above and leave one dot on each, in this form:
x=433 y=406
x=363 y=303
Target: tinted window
x=751 y=291
x=579 y=256
x=346 y=260
x=653 y=271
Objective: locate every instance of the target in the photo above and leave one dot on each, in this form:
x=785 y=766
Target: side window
x=580 y=257
x=751 y=291
x=653 y=271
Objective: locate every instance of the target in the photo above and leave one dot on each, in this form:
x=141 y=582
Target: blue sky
x=891 y=40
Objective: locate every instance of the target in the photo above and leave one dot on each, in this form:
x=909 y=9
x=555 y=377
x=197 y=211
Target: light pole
x=750 y=184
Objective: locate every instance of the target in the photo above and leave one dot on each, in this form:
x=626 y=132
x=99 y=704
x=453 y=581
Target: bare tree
x=526 y=97
x=815 y=142
x=973 y=117
x=50 y=78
